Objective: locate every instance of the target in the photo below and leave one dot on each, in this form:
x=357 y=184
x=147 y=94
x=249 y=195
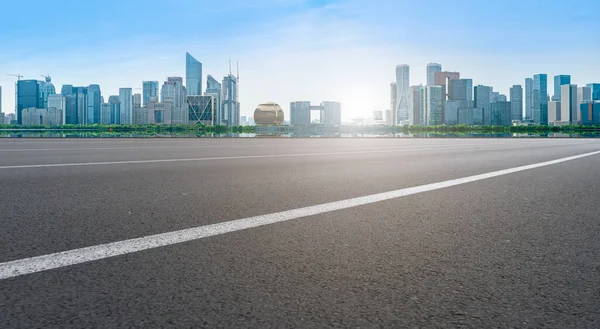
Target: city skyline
x=303 y=48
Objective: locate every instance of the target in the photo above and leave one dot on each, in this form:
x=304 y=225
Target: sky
x=292 y=50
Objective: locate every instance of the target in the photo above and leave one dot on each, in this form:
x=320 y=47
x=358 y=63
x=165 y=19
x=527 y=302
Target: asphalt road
x=518 y=250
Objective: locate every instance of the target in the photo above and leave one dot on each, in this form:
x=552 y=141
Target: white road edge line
x=79 y=164
x=25 y=266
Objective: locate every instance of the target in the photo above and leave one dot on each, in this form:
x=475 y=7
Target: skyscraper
x=595 y=89
x=501 y=113
x=28 y=96
x=584 y=94
x=554 y=112
x=137 y=100
x=483 y=99
x=193 y=75
x=213 y=88
x=105 y=114
x=433 y=105
x=569 y=109
x=115 y=109
x=1 y=115
x=94 y=102
x=540 y=99
x=560 y=80
x=46 y=89
x=393 y=103
x=416 y=107
x=126 y=105
x=300 y=113
x=528 y=99
x=201 y=109
x=81 y=108
x=230 y=111
x=432 y=68
x=402 y=85
x=174 y=92
x=516 y=102
x=460 y=90
x=331 y=113
x=443 y=79
x=149 y=91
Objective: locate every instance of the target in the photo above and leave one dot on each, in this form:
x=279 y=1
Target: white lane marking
x=76 y=164
x=77 y=256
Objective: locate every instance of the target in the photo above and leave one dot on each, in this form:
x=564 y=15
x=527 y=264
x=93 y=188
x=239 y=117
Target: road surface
x=300 y=233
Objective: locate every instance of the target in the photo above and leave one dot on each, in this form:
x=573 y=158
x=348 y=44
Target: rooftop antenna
x=230 y=67
x=238 y=70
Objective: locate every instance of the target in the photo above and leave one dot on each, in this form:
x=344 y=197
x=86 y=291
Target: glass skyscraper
x=213 y=88
x=483 y=101
x=560 y=80
x=431 y=69
x=231 y=106
x=193 y=75
x=149 y=92
x=516 y=102
x=94 y=102
x=402 y=85
x=126 y=99
x=595 y=87
x=28 y=95
x=540 y=99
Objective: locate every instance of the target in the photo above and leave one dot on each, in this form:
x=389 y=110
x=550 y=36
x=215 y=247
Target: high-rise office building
x=432 y=68
x=94 y=102
x=28 y=96
x=393 y=103
x=460 y=89
x=560 y=80
x=501 y=113
x=554 y=112
x=58 y=101
x=595 y=89
x=149 y=92
x=115 y=109
x=230 y=111
x=452 y=109
x=584 y=94
x=528 y=114
x=126 y=105
x=402 y=85
x=331 y=113
x=213 y=88
x=81 y=107
x=416 y=106
x=174 y=92
x=105 y=114
x=300 y=113
x=433 y=105
x=443 y=79
x=2 y=115
x=193 y=75
x=569 y=108
x=516 y=102
x=46 y=88
x=137 y=100
x=589 y=113
x=201 y=109
x=540 y=99
x=483 y=101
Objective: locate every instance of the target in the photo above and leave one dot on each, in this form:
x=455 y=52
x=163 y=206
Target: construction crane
x=47 y=77
x=18 y=76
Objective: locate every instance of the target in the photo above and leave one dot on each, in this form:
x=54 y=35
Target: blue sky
x=298 y=49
